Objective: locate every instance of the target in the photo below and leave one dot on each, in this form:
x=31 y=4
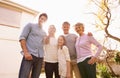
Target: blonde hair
x=47 y=39
x=80 y=25
x=52 y=26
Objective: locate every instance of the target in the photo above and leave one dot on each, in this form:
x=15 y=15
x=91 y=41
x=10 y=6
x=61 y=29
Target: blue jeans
x=87 y=70
x=34 y=66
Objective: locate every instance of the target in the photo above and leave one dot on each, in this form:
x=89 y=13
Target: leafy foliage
x=104 y=72
x=117 y=57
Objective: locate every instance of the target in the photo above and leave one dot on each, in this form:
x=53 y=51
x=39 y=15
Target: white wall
x=10 y=57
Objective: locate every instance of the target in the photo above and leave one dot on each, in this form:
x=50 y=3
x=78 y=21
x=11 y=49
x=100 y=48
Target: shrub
x=117 y=58
x=104 y=72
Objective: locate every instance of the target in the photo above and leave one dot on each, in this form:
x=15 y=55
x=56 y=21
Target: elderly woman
x=85 y=59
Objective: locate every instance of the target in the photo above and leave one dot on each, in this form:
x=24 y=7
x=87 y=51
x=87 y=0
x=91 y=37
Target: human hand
x=68 y=75
x=74 y=62
x=90 y=34
x=46 y=39
x=92 y=60
x=28 y=56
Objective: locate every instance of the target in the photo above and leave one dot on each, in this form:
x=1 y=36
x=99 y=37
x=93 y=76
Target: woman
x=85 y=58
x=50 y=55
x=63 y=58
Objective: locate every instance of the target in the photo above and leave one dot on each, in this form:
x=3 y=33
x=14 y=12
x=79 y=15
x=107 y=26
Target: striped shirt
x=50 y=51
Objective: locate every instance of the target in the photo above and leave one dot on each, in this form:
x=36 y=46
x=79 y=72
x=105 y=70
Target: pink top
x=83 y=47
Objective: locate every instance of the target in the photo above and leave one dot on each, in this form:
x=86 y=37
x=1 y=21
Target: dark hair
x=67 y=23
x=43 y=14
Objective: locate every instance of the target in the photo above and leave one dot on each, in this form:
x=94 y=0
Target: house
x=13 y=17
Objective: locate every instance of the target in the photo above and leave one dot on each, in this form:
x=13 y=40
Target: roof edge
x=20 y=7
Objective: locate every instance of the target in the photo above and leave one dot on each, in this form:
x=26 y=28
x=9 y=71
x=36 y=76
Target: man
x=31 y=40
x=70 y=43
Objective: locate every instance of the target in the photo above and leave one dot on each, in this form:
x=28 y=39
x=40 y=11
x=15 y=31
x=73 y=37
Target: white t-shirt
x=50 y=51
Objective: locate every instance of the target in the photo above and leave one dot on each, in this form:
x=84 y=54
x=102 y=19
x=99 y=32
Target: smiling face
x=42 y=19
x=79 y=28
x=61 y=41
x=51 y=29
x=66 y=27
